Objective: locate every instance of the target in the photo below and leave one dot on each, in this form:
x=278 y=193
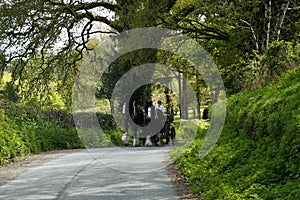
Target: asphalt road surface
x=106 y=173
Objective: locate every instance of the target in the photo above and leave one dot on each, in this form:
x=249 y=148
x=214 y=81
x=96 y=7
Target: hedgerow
x=258 y=153
x=25 y=131
x=22 y=132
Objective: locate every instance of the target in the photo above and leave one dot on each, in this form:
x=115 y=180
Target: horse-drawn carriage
x=150 y=125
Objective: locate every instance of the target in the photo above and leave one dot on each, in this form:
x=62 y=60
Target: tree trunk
x=282 y=19
x=111 y=107
x=180 y=95
x=268 y=15
x=198 y=99
x=184 y=106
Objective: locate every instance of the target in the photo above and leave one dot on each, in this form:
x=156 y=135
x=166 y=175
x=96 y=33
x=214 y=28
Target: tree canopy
x=55 y=34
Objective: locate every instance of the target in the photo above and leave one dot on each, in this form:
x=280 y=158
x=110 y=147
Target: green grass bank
x=258 y=153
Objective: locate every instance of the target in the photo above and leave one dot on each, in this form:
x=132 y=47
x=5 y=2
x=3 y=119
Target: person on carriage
x=160 y=106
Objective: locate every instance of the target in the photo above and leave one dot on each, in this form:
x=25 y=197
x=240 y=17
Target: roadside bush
x=22 y=132
x=64 y=119
x=61 y=118
x=258 y=153
x=89 y=132
x=11 y=144
x=28 y=131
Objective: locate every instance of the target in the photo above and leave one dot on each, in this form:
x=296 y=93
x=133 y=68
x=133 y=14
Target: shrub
x=23 y=132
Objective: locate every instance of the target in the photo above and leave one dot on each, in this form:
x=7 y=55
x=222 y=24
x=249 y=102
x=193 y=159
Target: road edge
x=179 y=182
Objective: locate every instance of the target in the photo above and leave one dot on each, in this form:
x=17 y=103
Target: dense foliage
x=23 y=132
x=257 y=155
x=41 y=41
x=42 y=44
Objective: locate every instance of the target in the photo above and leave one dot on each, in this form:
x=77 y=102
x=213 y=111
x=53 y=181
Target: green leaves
x=22 y=132
x=257 y=155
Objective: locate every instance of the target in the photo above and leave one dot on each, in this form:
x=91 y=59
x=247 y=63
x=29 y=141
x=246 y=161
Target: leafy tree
x=9 y=93
x=235 y=32
x=122 y=65
x=32 y=28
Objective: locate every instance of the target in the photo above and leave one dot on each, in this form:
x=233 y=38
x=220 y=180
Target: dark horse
x=148 y=127
x=169 y=130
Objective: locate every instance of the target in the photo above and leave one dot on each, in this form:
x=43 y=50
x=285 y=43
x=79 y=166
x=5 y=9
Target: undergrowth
x=25 y=131
x=258 y=153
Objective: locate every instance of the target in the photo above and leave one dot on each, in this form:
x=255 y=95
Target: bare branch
x=268 y=14
x=81 y=11
x=282 y=19
x=253 y=33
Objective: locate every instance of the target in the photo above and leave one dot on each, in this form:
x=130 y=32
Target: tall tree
x=32 y=28
x=235 y=32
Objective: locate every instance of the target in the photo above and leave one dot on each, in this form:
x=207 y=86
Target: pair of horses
x=149 y=126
